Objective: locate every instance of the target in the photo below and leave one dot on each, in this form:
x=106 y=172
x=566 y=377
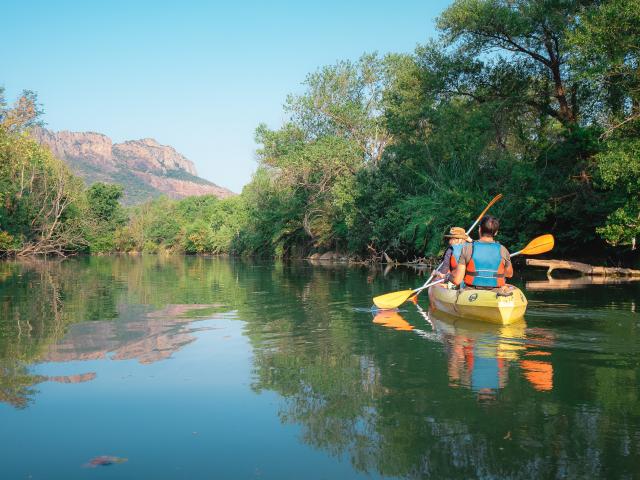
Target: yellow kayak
x=483 y=305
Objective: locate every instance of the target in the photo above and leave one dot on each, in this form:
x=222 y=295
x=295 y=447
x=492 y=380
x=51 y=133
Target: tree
x=106 y=215
x=606 y=52
x=605 y=46
x=41 y=201
x=336 y=128
x=24 y=114
x=532 y=35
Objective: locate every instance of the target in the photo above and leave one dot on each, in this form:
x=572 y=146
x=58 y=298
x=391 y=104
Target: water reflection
x=392 y=319
x=399 y=394
x=88 y=310
x=147 y=337
x=553 y=284
x=479 y=354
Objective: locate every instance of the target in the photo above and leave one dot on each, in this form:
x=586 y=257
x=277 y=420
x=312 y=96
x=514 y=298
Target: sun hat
x=459 y=232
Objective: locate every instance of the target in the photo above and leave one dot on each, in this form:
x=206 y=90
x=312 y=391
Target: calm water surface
x=213 y=369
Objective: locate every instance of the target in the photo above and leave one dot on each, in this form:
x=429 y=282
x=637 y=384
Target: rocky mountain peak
x=145 y=167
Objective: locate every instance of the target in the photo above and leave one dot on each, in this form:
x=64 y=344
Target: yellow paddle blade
x=393 y=299
x=541 y=244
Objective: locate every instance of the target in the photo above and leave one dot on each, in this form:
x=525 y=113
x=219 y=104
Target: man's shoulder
x=467 y=251
x=504 y=253
x=504 y=250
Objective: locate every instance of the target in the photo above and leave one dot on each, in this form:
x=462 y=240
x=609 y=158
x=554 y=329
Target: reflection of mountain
x=85 y=308
x=150 y=337
x=80 y=378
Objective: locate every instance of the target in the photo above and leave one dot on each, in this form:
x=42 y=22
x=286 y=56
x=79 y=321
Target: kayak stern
x=483 y=305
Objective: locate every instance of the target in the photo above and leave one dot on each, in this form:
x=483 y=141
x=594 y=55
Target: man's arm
x=508 y=267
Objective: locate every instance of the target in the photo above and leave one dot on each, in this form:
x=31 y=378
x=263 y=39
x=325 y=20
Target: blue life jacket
x=455 y=255
x=486 y=267
x=456 y=251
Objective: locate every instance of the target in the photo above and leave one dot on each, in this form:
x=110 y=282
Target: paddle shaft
x=427 y=285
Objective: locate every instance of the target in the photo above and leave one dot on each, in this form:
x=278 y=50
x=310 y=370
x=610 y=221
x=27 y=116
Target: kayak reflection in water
x=479 y=355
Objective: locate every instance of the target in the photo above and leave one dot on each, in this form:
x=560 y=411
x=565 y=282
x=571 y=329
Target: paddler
x=483 y=264
x=458 y=238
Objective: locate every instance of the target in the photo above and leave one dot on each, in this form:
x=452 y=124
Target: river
x=184 y=368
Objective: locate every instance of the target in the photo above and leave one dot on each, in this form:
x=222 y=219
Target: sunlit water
x=210 y=368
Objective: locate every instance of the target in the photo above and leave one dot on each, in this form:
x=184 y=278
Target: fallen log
x=583 y=268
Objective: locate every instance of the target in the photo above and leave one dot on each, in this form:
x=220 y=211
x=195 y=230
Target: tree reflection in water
x=392 y=399
x=55 y=311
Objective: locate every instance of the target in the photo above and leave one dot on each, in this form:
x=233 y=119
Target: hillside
x=145 y=168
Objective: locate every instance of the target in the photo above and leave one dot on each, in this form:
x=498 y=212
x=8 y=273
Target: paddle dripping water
x=302 y=380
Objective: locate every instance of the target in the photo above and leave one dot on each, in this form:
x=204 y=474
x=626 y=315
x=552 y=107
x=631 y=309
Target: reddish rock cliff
x=149 y=155
x=145 y=168
x=93 y=148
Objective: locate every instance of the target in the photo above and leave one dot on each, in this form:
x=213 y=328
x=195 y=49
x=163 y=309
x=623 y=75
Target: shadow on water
x=399 y=394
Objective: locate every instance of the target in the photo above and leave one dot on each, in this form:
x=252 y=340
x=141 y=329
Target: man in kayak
x=458 y=238
x=483 y=264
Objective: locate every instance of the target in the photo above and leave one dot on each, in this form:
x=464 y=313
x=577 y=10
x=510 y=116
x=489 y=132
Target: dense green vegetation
x=535 y=99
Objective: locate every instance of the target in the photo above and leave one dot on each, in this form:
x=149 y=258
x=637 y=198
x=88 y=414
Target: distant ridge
x=145 y=168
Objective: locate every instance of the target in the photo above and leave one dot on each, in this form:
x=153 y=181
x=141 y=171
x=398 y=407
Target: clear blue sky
x=199 y=76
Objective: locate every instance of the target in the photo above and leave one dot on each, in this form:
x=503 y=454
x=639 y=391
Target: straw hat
x=458 y=232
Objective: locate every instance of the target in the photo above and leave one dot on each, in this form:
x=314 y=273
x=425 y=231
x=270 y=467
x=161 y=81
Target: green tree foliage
x=335 y=130
x=607 y=55
x=193 y=225
x=105 y=214
x=41 y=201
x=531 y=35
x=386 y=153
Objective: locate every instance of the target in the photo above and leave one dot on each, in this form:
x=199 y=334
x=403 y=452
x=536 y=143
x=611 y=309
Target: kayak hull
x=482 y=305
